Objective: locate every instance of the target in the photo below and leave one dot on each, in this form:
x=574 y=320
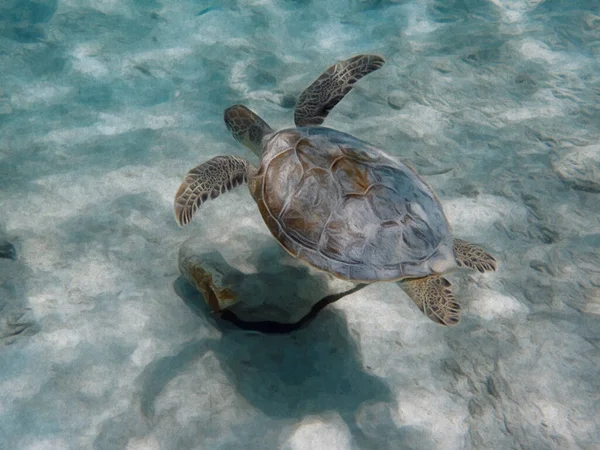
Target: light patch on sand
x=385 y=319
x=64 y=338
x=45 y=299
x=212 y=34
x=534 y=49
x=420 y=121
x=94 y=275
x=515 y=10
x=95 y=381
x=134 y=319
x=166 y=55
x=36 y=94
x=111 y=125
x=105 y=6
x=24 y=386
x=49 y=210
x=44 y=444
x=472 y=216
x=85 y=61
x=149 y=442
x=532 y=112
x=418 y=22
x=61 y=199
x=415 y=120
x=316 y=433
x=544 y=104
x=81 y=280
x=237 y=77
x=441 y=415
x=385 y=308
x=490 y=305
x=267 y=3
x=117 y=124
x=145 y=352
x=333 y=36
x=556 y=418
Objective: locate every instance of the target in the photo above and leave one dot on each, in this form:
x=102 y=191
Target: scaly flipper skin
x=473 y=256
x=208 y=181
x=326 y=91
x=247 y=127
x=433 y=295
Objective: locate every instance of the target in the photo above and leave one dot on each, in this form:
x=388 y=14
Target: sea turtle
x=339 y=203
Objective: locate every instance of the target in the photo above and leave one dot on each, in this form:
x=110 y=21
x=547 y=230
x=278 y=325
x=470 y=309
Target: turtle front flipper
x=247 y=127
x=433 y=295
x=208 y=181
x=473 y=256
x=326 y=91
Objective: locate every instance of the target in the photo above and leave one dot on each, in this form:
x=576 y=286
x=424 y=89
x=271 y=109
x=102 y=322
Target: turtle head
x=246 y=127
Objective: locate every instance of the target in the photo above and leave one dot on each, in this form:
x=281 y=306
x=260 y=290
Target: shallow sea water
x=105 y=105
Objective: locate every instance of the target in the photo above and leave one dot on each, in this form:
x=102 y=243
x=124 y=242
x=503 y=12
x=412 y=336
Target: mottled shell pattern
x=344 y=206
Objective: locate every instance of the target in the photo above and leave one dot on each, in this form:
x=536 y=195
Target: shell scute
x=311 y=194
x=281 y=182
x=354 y=177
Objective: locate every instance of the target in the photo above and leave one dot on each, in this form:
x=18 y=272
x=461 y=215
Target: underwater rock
x=16 y=318
x=398 y=99
x=258 y=283
x=580 y=168
x=7 y=250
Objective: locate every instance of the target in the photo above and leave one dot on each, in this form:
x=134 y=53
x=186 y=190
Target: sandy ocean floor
x=105 y=105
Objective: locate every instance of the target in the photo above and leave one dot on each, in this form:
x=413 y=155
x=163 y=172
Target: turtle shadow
x=315 y=370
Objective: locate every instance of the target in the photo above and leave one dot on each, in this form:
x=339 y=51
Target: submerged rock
x=7 y=250
x=398 y=99
x=580 y=168
x=16 y=318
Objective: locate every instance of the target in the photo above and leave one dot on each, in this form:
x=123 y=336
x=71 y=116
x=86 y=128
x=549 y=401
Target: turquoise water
x=104 y=107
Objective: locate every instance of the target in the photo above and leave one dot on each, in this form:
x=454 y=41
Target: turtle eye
x=255 y=134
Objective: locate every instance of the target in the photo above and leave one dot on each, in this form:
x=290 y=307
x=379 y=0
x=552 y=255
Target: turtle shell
x=346 y=207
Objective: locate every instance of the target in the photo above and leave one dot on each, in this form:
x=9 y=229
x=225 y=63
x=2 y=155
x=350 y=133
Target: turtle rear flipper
x=247 y=127
x=473 y=256
x=433 y=295
x=332 y=85
x=208 y=181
